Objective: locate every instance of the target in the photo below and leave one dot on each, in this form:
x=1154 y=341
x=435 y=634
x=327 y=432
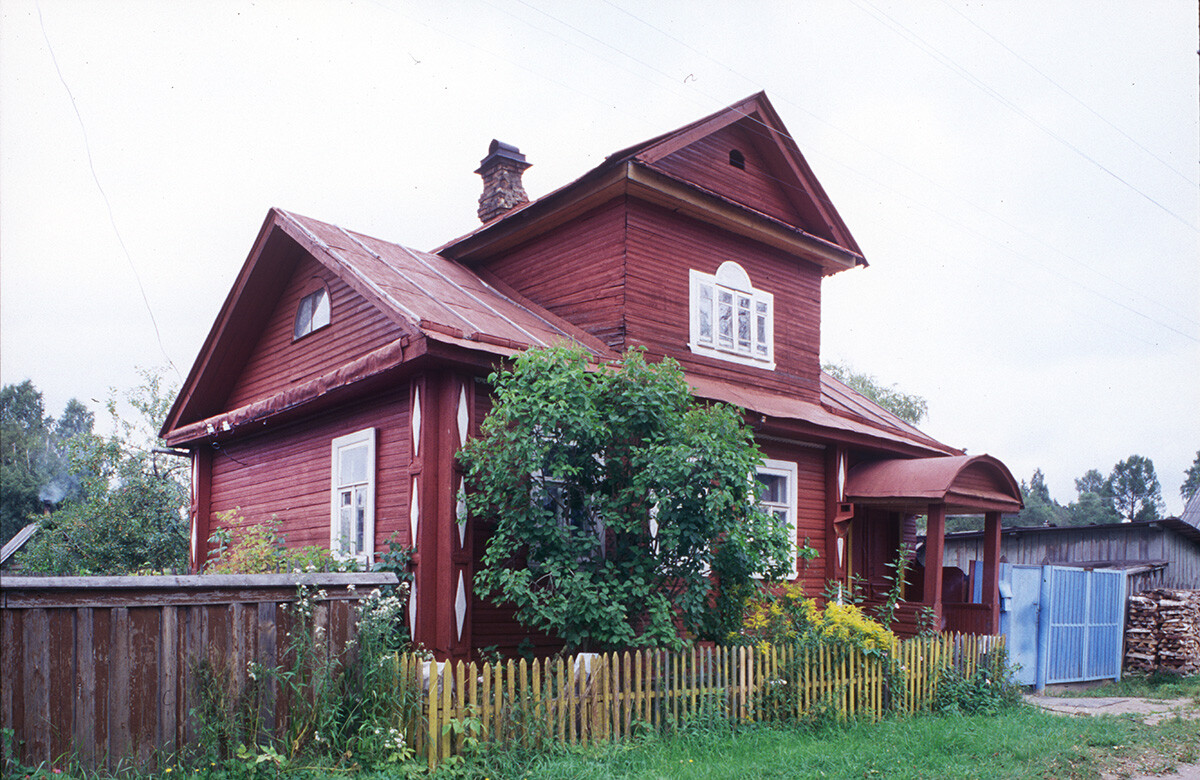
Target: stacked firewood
x=1163 y=631
x=1141 y=634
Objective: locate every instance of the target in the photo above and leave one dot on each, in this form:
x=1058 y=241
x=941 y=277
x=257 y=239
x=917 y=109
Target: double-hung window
x=777 y=497
x=730 y=319
x=352 y=501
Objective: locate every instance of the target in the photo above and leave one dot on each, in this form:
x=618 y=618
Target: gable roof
x=428 y=296
x=639 y=171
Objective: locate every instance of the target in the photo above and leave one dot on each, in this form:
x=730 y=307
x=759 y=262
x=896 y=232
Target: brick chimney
x=502 y=189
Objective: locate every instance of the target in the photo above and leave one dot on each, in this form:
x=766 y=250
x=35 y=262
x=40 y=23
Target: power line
x=914 y=172
x=970 y=78
x=96 y=178
x=1071 y=95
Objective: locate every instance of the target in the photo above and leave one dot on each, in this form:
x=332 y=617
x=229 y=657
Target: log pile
x=1163 y=631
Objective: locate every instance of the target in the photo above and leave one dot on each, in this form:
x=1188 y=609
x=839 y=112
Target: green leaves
x=621 y=507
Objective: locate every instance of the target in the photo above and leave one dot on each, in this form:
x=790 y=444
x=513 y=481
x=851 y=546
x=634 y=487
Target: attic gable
x=744 y=153
x=384 y=295
x=774 y=198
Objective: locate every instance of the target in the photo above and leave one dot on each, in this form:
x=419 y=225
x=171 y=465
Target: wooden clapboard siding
x=761 y=185
x=575 y=270
x=277 y=361
x=810 y=508
x=663 y=246
x=283 y=476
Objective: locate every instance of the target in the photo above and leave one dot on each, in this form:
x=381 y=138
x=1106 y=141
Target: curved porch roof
x=964 y=484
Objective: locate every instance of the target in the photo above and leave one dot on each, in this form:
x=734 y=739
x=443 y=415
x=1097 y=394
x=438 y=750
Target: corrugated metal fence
x=1063 y=624
x=103 y=666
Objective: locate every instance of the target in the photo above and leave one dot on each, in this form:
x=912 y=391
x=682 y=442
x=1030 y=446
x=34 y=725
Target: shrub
x=989 y=690
x=787 y=617
x=259 y=548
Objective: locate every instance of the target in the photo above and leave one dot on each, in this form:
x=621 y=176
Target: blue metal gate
x=1063 y=624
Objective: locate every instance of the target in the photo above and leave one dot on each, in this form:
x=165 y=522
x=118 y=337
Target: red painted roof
x=963 y=481
x=841 y=409
x=436 y=295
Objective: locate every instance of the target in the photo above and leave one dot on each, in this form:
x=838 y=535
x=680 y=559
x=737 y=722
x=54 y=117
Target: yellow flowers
x=787 y=616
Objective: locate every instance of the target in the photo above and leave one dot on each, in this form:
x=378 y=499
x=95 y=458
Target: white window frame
x=338 y=489
x=726 y=295
x=790 y=471
x=319 y=313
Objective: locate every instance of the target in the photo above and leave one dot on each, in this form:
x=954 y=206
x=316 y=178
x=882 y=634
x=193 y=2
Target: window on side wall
x=312 y=313
x=730 y=319
x=777 y=497
x=352 y=500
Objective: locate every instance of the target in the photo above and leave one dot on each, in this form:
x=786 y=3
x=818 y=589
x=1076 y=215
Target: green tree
x=1095 y=504
x=1040 y=509
x=1135 y=491
x=126 y=516
x=1191 y=482
x=34 y=467
x=620 y=505
x=908 y=407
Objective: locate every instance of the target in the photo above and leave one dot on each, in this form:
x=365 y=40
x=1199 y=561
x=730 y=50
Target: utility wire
x=1071 y=95
x=912 y=171
x=970 y=78
x=96 y=178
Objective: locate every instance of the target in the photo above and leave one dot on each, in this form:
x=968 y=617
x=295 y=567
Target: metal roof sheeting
x=435 y=294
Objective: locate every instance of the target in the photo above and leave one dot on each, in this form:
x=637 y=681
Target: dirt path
x=1149 y=711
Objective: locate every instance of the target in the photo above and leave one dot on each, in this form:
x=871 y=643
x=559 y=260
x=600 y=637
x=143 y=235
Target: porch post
x=935 y=532
x=991 y=570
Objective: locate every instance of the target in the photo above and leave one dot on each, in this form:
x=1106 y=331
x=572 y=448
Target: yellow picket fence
x=590 y=698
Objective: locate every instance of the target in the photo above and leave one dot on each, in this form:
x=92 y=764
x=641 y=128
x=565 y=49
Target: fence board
x=103 y=666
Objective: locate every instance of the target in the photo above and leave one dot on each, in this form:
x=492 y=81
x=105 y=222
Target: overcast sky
x=1021 y=175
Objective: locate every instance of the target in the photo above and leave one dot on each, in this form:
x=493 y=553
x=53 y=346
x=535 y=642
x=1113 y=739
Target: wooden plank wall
x=277 y=361
x=663 y=246
x=105 y=667
x=283 y=475
x=1087 y=545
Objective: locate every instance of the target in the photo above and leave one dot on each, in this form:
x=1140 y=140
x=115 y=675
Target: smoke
x=58 y=489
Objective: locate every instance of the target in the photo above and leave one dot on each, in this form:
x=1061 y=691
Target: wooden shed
x=1156 y=554
x=344 y=372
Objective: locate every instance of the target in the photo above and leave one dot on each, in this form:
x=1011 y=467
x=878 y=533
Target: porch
x=887 y=498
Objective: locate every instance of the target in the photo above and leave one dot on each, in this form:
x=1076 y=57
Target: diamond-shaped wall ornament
x=460 y=604
x=841 y=545
x=414 y=512
x=463 y=419
x=460 y=514
x=841 y=485
x=416 y=421
x=412 y=611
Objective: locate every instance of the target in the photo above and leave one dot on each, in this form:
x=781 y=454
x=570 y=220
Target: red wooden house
x=344 y=372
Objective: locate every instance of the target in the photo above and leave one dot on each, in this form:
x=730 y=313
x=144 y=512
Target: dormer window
x=312 y=313
x=730 y=319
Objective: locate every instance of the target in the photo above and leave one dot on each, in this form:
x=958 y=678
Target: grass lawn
x=1159 y=685
x=1022 y=742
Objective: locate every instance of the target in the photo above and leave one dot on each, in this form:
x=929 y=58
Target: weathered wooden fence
x=103 y=667
x=598 y=697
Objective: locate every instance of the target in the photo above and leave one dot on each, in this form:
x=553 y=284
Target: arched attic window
x=730 y=319
x=312 y=313
x=737 y=159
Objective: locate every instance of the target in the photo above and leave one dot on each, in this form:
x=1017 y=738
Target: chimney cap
x=498 y=150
